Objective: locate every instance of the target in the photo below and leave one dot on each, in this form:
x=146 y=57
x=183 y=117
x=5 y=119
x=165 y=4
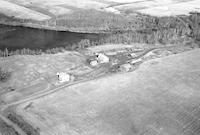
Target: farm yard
x=99 y=107
x=33 y=74
x=99 y=67
x=31 y=83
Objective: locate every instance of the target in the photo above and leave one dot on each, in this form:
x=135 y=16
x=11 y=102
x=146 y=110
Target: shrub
x=4 y=75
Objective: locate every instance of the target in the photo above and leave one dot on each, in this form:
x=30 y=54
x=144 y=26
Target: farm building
x=149 y=54
x=134 y=61
x=101 y=58
x=63 y=77
x=93 y=63
x=133 y=55
x=125 y=67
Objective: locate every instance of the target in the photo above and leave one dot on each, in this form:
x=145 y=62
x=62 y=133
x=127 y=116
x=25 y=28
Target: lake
x=14 y=38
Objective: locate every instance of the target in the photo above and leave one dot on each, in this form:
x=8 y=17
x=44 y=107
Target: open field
x=159 y=7
x=17 y=11
x=57 y=7
x=168 y=103
x=173 y=9
x=43 y=9
x=88 y=15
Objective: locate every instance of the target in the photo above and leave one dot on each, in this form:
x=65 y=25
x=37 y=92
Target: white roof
x=102 y=58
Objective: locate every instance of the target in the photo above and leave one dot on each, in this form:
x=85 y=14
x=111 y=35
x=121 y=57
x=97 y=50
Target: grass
x=89 y=16
x=28 y=70
x=6 y=129
x=40 y=9
x=20 y=12
x=116 y=104
x=27 y=128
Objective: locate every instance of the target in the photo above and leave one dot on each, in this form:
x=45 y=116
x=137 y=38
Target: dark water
x=20 y=37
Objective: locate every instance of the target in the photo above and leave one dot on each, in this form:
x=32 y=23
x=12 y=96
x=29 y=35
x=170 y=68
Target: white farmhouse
x=101 y=58
x=63 y=77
